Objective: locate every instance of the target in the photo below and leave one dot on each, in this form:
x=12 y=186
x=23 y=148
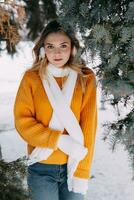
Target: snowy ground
x=111 y=171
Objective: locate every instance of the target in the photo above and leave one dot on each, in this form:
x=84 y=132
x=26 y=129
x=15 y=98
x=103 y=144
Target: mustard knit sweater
x=32 y=113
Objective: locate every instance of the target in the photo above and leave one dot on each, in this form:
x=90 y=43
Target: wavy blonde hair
x=40 y=64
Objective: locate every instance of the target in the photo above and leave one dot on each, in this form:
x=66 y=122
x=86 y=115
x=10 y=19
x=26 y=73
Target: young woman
x=56 y=114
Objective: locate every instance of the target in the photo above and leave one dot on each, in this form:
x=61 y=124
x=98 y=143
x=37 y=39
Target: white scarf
x=60 y=99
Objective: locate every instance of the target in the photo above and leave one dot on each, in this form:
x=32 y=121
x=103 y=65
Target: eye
x=63 y=45
x=50 y=47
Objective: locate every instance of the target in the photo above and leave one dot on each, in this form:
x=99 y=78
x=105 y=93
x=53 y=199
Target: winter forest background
x=106 y=31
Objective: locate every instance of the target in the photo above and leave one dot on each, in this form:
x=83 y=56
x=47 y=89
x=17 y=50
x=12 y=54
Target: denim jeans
x=49 y=182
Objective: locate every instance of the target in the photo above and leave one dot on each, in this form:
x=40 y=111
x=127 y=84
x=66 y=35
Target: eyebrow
x=60 y=43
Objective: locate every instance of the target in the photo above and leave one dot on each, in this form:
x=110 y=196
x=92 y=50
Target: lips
x=57 y=59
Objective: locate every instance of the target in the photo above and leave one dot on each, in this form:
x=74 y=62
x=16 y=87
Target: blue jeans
x=49 y=182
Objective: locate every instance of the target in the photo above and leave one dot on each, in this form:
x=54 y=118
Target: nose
x=57 y=51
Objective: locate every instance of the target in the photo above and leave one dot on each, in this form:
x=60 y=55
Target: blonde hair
x=40 y=64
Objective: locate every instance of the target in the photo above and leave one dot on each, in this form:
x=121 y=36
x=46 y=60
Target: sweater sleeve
x=88 y=123
x=31 y=130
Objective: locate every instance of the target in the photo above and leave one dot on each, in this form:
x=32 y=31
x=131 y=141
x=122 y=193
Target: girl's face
x=57 y=48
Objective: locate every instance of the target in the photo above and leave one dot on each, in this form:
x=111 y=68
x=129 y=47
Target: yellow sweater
x=32 y=113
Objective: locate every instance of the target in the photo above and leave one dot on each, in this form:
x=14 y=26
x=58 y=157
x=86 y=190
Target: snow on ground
x=111 y=171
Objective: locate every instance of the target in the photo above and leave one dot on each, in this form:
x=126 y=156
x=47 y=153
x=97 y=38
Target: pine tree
x=12 y=16
x=12 y=176
x=107 y=29
x=38 y=14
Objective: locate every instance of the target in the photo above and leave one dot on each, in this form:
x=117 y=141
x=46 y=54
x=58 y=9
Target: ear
x=42 y=53
x=74 y=51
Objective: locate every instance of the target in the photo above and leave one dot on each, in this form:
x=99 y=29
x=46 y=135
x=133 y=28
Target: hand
x=71 y=147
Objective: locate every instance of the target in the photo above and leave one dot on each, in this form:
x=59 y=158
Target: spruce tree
x=12 y=16
x=107 y=29
x=38 y=14
x=12 y=176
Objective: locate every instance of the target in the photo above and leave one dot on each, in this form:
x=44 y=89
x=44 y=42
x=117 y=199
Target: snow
x=111 y=171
